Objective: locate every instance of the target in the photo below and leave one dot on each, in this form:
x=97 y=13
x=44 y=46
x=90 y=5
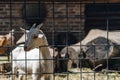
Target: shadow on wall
x=102 y=16
x=34 y=13
x=31 y=13
x=63 y=39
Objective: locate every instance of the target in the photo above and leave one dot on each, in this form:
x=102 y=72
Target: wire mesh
x=66 y=25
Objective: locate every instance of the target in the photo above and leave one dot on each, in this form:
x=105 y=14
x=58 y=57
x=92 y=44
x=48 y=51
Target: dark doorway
x=34 y=13
x=104 y=16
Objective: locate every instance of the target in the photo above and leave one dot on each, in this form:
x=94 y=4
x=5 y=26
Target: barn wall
x=66 y=18
x=10 y=15
x=61 y=17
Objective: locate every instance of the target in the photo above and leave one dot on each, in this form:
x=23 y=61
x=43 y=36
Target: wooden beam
x=101 y=1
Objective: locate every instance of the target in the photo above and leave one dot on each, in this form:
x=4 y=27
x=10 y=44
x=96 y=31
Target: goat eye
x=35 y=36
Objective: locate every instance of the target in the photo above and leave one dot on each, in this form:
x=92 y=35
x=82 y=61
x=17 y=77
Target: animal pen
x=82 y=35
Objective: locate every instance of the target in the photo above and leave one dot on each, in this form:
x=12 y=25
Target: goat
x=53 y=50
x=110 y=37
x=18 y=53
x=94 y=33
x=100 y=49
x=6 y=41
x=19 y=58
x=80 y=48
x=71 y=60
x=37 y=39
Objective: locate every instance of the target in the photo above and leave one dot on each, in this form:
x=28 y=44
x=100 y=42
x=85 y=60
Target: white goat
x=28 y=62
x=95 y=33
x=31 y=57
x=37 y=39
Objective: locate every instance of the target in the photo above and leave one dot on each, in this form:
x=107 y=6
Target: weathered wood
x=69 y=59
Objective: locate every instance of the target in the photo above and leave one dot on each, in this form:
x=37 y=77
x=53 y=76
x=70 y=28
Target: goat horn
x=40 y=25
x=12 y=31
x=33 y=26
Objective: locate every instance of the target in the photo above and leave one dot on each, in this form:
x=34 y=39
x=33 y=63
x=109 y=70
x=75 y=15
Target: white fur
x=27 y=61
x=95 y=33
x=35 y=40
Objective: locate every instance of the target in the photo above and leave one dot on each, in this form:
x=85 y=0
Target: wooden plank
x=4 y=59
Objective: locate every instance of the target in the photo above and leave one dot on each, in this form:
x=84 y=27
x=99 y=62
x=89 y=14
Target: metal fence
x=83 y=39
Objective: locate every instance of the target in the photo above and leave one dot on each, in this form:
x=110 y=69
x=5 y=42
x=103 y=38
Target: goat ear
x=11 y=32
x=39 y=26
x=23 y=30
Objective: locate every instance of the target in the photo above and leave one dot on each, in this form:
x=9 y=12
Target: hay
x=78 y=74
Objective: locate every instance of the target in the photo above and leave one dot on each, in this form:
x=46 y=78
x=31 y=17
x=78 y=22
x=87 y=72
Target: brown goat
x=69 y=58
x=6 y=41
